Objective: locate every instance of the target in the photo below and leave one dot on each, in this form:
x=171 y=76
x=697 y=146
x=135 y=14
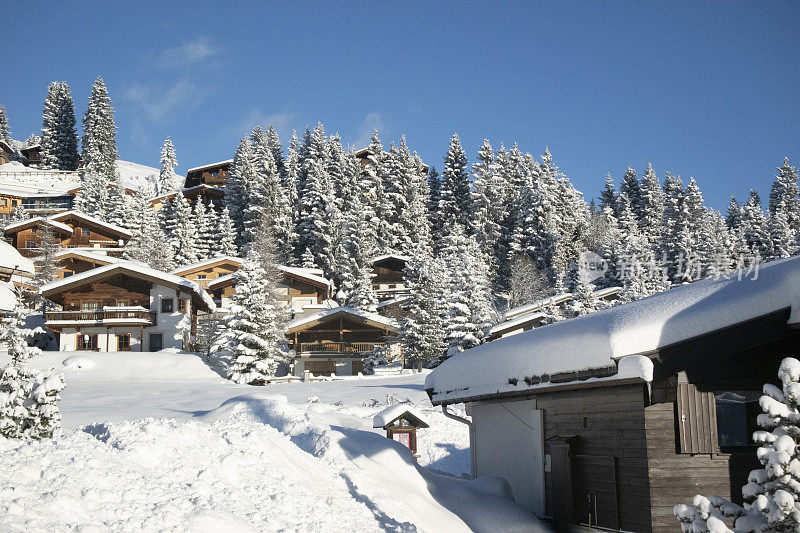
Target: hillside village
x=616 y=331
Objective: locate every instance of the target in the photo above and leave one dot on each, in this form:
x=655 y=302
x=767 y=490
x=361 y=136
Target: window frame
x=167 y=305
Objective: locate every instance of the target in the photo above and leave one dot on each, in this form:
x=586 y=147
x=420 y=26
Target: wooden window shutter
x=697 y=418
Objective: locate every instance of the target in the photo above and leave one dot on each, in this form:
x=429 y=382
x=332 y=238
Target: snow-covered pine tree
x=609 y=196
x=468 y=295
x=168 y=181
x=5 y=129
x=274 y=143
x=253 y=338
x=733 y=215
x=687 y=262
x=785 y=195
x=184 y=236
x=782 y=235
x=629 y=186
x=28 y=398
x=754 y=228
x=46 y=250
x=93 y=197
x=718 y=249
x=237 y=188
x=488 y=194
x=528 y=282
x=671 y=220
x=204 y=226
x=422 y=334
x=584 y=300
x=373 y=187
x=225 y=241
x=652 y=207
x=318 y=211
x=639 y=272
x=435 y=194
x=455 y=201
x=149 y=243
x=397 y=185
x=772 y=493
x=291 y=181
x=99 y=145
x=509 y=163
x=59 y=136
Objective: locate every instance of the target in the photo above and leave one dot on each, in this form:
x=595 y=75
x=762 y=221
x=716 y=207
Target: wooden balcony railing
x=103 y=316
x=325 y=347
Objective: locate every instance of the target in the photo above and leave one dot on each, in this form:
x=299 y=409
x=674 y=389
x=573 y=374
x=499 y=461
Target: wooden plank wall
x=610 y=425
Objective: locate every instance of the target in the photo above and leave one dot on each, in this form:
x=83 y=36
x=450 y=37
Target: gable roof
x=598 y=340
x=295 y=272
x=13 y=261
x=131 y=268
x=200 y=265
x=93 y=257
x=16 y=227
x=86 y=218
x=210 y=165
x=388 y=416
x=372 y=319
x=403 y=258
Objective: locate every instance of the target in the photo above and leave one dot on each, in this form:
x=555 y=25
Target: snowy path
x=237 y=457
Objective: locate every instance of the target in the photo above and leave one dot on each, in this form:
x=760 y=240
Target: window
x=182 y=305
x=14 y=202
x=4 y=202
x=90 y=306
x=124 y=342
x=167 y=305
x=156 y=342
x=68 y=273
x=87 y=342
x=85 y=232
x=201 y=276
x=736 y=417
x=121 y=303
x=30 y=244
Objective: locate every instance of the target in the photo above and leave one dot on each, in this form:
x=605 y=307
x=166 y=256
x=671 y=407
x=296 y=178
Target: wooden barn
x=124 y=306
x=73 y=229
x=336 y=340
x=611 y=419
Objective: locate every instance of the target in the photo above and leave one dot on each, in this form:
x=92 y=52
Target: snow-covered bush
x=28 y=398
x=772 y=492
x=380 y=355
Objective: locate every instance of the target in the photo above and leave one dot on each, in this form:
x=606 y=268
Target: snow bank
x=599 y=339
x=8 y=300
x=77 y=363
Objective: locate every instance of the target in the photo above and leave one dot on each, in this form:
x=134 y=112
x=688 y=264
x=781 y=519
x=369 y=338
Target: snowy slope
x=316 y=465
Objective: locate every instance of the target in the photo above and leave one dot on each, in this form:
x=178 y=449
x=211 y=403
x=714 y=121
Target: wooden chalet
x=336 y=340
x=6 y=153
x=13 y=265
x=73 y=261
x=610 y=419
x=388 y=280
x=303 y=290
x=529 y=316
x=208 y=194
x=73 y=230
x=33 y=155
x=124 y=306
x=213 y=174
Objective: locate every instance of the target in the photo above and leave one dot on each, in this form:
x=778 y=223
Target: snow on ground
x=159 y=441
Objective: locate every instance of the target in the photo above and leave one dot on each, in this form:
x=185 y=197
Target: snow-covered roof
x=169 y=195
x=378 y=320
x=83 y=216
x=131 y=267
x=598 y=340
x=208 y=262
x=217 y=164
x=88 y=255
x=608 y=291
x=399 y=257
x=305 y=274
x=516 y=322
x=537 y=305
x=393 y=412
x=397 y=300
x=16 y=226
x=135 y=176
x=12 y=260
x=222 y=280
x=8 y=300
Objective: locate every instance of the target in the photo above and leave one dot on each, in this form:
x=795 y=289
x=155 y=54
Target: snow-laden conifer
x=184 y=235
x=455 y=200
x=168 y=180
x=784 y=196
x=225 y=242
x=59 y=136
x=149 y=243
x=237 y=188
x=422 y=334
x=99 y=145
x=5 y=128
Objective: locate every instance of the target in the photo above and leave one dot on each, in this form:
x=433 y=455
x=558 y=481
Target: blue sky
x=703 y=89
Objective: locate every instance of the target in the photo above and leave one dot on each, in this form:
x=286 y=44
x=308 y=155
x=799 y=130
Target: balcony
x=349 y=349
x=113 y=316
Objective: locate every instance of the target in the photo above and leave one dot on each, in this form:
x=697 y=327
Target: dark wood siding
x=608 y=454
